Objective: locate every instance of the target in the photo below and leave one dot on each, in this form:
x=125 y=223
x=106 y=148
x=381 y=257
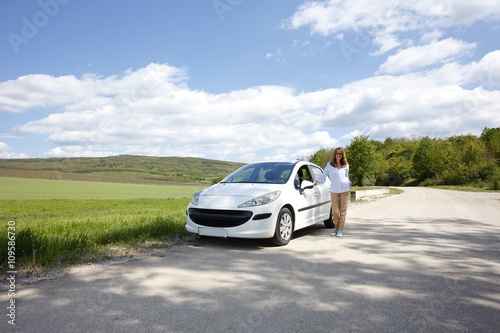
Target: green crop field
x=60 y=220
x=44 y=189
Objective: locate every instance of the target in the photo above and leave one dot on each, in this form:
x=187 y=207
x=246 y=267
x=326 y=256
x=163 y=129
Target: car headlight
x=195 y=198
x=262 y=200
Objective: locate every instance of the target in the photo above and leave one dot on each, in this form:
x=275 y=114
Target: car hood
x=231 y=195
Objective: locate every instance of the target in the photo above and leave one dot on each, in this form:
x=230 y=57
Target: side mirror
x=305 y=186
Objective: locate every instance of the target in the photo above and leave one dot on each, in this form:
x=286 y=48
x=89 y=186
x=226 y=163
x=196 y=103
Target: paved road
x=426 y=260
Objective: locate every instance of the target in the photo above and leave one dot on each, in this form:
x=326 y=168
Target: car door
x=322 y=212
x=308 y=199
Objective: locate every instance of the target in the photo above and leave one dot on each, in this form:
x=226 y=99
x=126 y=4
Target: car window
x=306 y=174
x=261 y=173
x=303 y=174
x=316 y=171
x=243 y=176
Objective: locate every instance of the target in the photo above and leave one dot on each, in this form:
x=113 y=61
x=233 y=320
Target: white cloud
x=277 y=55
x=433 y=103
x=431 y=36
x=43 y=91
x=426 y=88
x=388 y=22
x=76 y=151
x=162 y=116
x=6 y=152
x=352 y=135
x=467 y=12
x=418 y=57
x=486 y=72
x=152 y=111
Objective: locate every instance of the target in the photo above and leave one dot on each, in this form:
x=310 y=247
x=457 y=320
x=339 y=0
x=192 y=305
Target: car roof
x=285 y=162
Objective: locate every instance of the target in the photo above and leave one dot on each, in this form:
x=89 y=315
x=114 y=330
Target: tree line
x=457 y=160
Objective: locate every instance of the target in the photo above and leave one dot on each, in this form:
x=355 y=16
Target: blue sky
x=241 y=80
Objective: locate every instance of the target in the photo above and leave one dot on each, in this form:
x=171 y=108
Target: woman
x=338 y=172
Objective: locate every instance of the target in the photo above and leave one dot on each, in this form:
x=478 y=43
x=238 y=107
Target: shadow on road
x=405 y=277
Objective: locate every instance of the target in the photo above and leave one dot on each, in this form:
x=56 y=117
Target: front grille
x=219 y=218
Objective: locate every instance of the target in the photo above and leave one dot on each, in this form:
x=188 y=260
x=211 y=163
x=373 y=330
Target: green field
x=43 y=189
x=63 y=220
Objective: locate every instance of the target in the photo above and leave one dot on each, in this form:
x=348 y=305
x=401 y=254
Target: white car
x=262 y=200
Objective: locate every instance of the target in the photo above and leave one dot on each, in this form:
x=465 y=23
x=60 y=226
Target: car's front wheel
x=284 y=227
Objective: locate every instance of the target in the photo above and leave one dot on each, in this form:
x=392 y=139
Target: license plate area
x=212 y=232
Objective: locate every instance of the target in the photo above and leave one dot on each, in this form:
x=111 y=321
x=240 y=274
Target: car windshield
x=277 y=173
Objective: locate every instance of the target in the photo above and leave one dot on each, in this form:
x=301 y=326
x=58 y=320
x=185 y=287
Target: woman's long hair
x=343 y=160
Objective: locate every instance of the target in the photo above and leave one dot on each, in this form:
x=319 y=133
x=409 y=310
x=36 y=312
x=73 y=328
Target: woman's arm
x=322 y=177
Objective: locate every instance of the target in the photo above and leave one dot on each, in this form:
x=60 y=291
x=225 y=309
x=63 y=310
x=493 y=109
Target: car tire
x=330 y=224
x=284 y=227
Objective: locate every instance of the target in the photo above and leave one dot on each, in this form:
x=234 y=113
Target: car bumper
x=220 y=223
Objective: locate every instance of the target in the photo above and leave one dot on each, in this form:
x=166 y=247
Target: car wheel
x=284 y=227
x=329 y=224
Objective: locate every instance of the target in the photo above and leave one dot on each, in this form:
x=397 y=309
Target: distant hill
x=123 y=168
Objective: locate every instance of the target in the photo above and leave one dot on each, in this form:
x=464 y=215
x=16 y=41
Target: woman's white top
x=338 y=177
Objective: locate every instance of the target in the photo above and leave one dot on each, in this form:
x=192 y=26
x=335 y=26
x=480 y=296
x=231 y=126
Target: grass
x=64 y=221
x=44 y=189
x=365 y=188
x=393 y=190
x=465 y=188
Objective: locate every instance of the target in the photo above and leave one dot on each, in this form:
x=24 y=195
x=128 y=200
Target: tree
x=491 y=138
x=427 y=160
x=362 y=160
x=322 y=157
x=457 y=160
